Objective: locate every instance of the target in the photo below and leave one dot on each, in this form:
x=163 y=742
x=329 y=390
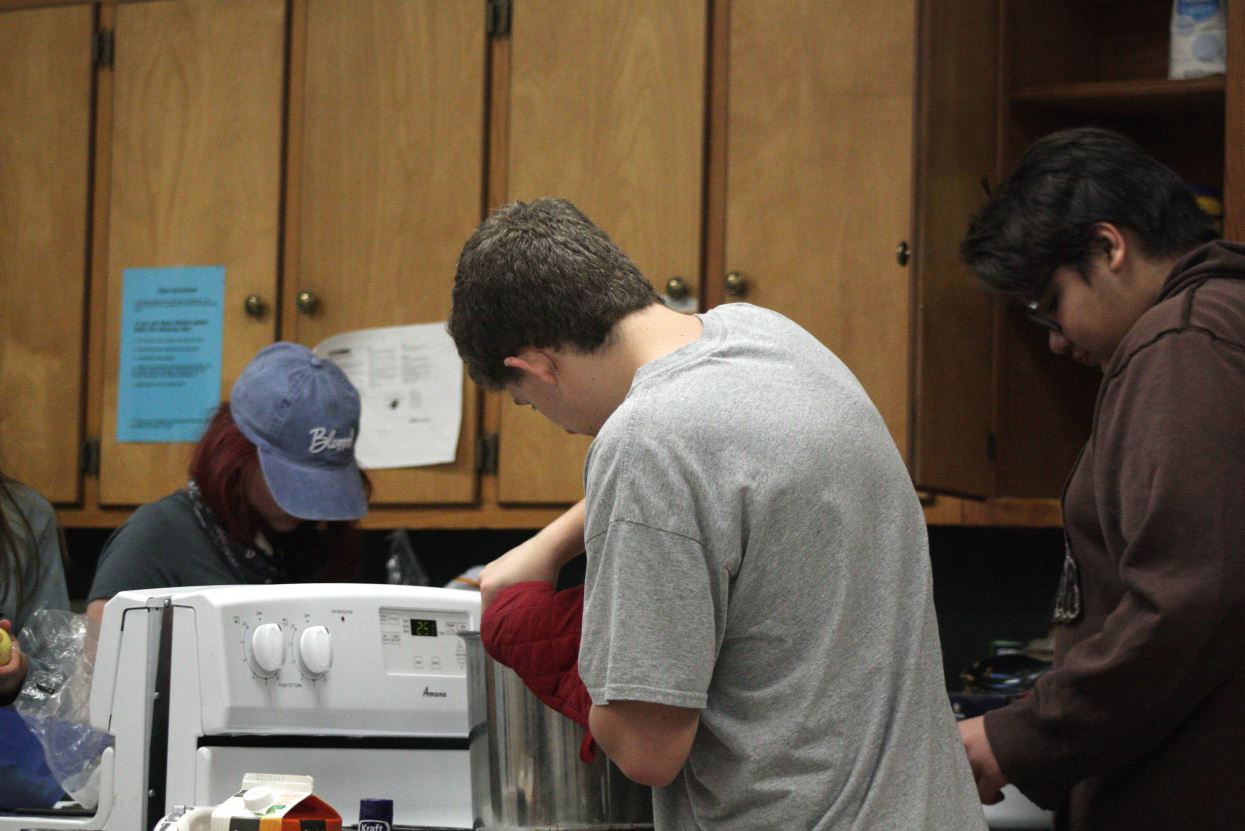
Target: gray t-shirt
x=756 y=551
x=161 y=545
x=43 y=581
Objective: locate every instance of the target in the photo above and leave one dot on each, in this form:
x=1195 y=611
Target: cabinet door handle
x=254 y=305
x=676 y=288
x=736 y=285
x=307 y=302
x=903 y=253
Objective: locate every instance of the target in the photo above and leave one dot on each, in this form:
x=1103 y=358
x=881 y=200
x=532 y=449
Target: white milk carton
x=275 y=802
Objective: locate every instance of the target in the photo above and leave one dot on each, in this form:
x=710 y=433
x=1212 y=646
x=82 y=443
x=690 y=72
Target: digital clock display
x=423 y=628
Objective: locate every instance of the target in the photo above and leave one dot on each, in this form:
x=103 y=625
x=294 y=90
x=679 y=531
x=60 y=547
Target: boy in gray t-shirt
x=759 y=639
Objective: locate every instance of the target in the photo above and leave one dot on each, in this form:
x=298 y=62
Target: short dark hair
x=1041 y=217
x=542 y=275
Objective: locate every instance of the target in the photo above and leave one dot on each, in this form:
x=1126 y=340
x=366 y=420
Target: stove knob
x=267 y=650
x=315 y=651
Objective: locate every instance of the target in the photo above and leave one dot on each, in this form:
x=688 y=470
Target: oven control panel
x=419 y=641
x=325 y=658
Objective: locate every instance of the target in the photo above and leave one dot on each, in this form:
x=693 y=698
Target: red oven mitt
x=534 y=629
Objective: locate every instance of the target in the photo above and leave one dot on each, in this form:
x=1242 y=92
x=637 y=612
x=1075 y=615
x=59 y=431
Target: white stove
x=361 y=686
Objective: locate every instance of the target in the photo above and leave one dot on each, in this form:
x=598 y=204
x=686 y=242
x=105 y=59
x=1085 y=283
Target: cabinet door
x=606 y=109
x=195 y=180
x=818 y=182
x=45 y=106
x=952 y=388
x=389 y=186
x=1234 y=130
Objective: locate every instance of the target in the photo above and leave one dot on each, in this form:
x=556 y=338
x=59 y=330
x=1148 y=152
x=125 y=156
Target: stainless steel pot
x=525 y=766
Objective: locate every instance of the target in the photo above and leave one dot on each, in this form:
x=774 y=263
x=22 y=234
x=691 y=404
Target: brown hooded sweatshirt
x=1141 y=722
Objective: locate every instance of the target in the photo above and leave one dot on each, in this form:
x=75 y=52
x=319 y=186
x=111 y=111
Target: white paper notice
x=410 y=380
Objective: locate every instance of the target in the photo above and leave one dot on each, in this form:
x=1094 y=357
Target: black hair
x=1041 y=217
x=542 y=275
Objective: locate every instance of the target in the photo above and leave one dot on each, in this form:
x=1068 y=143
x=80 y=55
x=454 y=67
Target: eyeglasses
x=1039 y=311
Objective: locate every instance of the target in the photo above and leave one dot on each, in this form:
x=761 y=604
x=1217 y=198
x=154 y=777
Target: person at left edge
x=32 y=577
x=273 y=494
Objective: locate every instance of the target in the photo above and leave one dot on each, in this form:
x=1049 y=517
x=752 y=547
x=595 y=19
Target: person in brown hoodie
x=1140 y=723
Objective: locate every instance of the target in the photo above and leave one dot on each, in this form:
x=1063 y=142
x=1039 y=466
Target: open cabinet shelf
x=1141 y=97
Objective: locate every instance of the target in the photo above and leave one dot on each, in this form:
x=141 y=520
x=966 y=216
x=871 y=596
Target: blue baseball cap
x=302 y=414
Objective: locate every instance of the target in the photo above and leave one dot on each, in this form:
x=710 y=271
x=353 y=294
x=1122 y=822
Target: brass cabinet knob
x=902 y=252
x=307 y=302
x=736 y=284
x=254 y=305
x=676 y=288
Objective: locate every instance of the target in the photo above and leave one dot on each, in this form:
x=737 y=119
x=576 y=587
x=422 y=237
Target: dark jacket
x=1141 y=723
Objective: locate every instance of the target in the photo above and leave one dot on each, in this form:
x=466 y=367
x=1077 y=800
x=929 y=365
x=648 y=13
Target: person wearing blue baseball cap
x=273 y=495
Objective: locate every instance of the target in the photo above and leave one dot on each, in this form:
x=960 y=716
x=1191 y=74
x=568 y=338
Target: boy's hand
x=990 y=777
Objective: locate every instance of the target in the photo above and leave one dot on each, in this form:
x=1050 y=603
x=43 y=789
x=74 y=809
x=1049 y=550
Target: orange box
x=275 y=802
x=310 y=814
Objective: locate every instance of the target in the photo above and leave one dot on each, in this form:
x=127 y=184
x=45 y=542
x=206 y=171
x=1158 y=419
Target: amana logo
x=433 y=694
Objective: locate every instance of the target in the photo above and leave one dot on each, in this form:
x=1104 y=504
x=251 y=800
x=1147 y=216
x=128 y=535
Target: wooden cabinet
x=818 y=134
x=605 y=106
x=768 y=139
x=813 y=201
x=194 y=179
x=814 y=188
x=45 y=108
x=853 y=143
x=383 y=182
x=386 y=180
x=1069 y=63
x=951 y=442
x=826 y=153
x=334 y=150
x=847 y=147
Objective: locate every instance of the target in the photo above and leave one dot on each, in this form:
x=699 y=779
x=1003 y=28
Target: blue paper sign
x=172 y=322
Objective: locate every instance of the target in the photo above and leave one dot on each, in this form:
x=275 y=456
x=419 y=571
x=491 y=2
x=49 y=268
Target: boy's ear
x=536 y=363
x=1113 y=243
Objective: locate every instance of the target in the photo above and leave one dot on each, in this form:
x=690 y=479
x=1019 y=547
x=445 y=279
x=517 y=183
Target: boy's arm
x=538 y=559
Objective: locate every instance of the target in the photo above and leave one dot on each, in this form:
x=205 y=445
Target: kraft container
x=526 y=774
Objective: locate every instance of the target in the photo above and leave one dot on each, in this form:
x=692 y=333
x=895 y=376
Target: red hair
x=223 y=463
x=222 y=466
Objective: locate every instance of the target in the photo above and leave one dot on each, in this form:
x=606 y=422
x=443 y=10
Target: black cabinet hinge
x=103 y=47
x=497 y=18
x=992 y=445
x=88 y=457
x=486 y=454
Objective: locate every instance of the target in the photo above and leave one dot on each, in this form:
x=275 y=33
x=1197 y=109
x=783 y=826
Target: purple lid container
x=375 y=811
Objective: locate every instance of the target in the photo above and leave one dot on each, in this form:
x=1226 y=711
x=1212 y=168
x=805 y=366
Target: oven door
x=429 y=786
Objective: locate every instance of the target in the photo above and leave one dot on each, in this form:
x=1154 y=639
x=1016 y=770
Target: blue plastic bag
x=26 y=781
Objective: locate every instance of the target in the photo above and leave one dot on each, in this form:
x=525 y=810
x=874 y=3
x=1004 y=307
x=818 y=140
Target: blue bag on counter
x=25 y=779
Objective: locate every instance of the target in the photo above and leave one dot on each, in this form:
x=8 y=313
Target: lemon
x=6 y=647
